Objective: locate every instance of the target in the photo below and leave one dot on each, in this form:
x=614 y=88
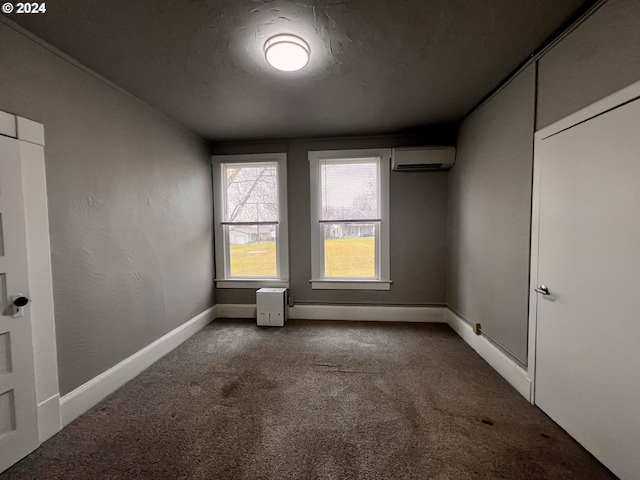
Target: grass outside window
x=348 y=258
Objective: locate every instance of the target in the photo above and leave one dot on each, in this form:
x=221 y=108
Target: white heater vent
x=409 y=159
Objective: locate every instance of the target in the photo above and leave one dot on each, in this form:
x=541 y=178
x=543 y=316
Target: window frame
x=223 y=280
x=383 y=252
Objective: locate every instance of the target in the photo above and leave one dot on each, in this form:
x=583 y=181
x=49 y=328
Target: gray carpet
x=314 y=400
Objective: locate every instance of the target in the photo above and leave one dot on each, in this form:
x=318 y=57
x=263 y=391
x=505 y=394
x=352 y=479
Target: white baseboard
x=84 y=397
x=501 y=363
x=49 y=421
x=380 y=313
x=369 y=313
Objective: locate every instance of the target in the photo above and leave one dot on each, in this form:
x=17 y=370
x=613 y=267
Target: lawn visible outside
x=348 y=257
x=253 y=260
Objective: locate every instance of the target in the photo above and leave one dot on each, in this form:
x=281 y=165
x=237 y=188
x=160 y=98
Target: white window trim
x=383 y=251
x=283 y=227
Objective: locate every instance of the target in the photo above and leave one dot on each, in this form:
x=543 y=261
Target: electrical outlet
x=476 y=328
x=292 y=301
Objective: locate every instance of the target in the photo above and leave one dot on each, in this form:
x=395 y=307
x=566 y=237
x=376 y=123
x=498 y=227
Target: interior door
x=18 y=410
x=588 y=325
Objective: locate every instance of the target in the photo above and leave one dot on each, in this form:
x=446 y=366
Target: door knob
x=543 y=289
x=20 y=301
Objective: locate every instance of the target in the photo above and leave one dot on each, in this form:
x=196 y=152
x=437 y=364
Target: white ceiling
x=377 y=66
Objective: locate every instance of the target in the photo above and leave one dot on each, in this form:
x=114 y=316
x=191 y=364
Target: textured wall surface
x=489 y=216
x=597 y=59
x=418 y=209
x=129 y=208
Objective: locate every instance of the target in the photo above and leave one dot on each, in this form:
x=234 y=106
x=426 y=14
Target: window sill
x=350 y=284
x=248 y=283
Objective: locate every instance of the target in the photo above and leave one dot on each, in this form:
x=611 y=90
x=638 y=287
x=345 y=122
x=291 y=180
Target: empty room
x=320 y=239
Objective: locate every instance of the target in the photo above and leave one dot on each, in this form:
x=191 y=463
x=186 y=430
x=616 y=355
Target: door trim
x=32 y=140
x=611 y=102
x=533 y=272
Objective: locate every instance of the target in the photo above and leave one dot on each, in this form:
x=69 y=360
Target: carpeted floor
x=314 y=400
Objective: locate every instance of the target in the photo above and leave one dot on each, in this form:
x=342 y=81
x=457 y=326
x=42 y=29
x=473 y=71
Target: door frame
x=30 y=135
x=617 y=99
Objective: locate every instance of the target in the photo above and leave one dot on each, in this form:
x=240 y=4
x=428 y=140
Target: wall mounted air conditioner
x=409 y=159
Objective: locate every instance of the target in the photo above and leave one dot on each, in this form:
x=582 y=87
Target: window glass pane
x=252 y=250
x=252 y=192
x=349 y=250
x=349 y=189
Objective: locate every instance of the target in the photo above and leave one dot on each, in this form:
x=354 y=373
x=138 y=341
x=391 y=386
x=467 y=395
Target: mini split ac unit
x=409 y=159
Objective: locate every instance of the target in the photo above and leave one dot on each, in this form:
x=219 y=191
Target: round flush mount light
x=287 y=52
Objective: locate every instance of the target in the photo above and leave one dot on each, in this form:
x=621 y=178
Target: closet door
x=588 y=285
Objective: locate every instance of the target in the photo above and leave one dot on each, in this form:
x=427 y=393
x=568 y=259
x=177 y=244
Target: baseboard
x=380 y=313
x=84 y=397
x=500 y=361
x=49 y=422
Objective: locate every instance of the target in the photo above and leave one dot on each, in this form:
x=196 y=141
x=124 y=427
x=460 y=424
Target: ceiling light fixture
x=287 y=52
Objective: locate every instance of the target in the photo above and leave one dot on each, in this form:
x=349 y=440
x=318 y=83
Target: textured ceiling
x=377 y=66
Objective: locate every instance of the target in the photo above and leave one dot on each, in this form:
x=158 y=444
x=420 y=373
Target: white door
x=588 y=326
x=18 y=412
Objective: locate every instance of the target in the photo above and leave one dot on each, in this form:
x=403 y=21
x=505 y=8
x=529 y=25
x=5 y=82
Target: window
x=350 y=219
x=251 y=220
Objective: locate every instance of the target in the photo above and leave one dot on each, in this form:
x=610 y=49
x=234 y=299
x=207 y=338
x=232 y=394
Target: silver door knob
x=543 y=289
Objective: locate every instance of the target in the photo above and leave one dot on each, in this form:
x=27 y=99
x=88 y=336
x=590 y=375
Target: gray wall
x=490 y=185
x=418 y=225
x=489 y=216
x=598 y=58
x=129 y=207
